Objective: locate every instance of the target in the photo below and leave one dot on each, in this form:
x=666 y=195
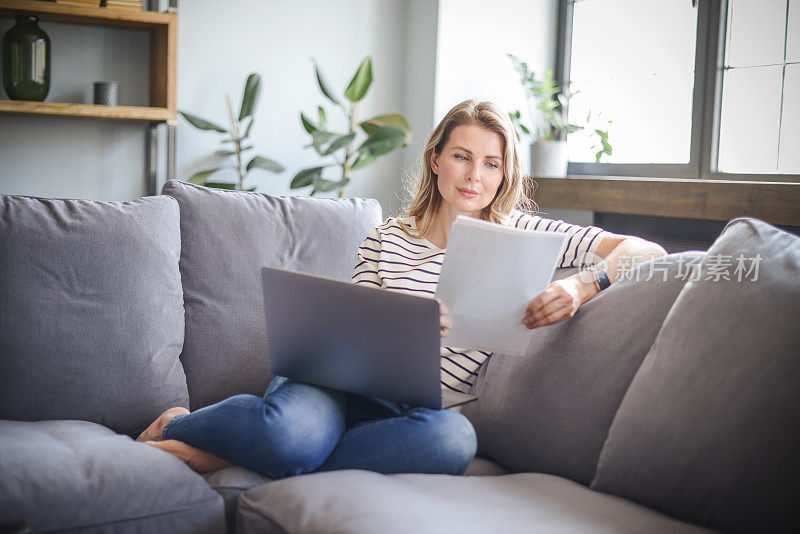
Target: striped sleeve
x=366 y=270
x=582 y=241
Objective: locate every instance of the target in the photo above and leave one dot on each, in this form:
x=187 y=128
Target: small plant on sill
x=548 y=107
x=233 y=146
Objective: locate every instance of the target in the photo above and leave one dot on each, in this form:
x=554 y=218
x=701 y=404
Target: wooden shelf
x=136 y=113
x=163 y=28
x=722 y=200
x=102 y=16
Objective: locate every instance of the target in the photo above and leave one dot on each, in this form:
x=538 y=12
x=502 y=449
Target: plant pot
x=549 y=159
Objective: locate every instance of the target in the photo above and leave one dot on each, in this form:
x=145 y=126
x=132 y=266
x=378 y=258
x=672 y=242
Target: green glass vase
x=26 y=60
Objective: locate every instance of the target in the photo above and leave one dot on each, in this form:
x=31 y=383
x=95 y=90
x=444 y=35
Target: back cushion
x=550 y=410
x=227 y=237
x=709 y=430
x=91 y=310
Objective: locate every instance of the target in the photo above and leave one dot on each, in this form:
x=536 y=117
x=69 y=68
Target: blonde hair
x=426 y=198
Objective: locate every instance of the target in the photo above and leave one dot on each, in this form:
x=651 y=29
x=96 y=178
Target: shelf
x=102 y=16
x=722 y=200
x=136 y=113
x=163 y=28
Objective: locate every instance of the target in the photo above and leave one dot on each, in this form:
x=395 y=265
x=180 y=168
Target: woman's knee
x=452 y=436
x=298 y=436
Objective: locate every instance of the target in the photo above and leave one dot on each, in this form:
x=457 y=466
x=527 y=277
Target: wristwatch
x=601 y=280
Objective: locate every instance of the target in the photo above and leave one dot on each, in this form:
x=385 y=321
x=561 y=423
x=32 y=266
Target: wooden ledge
x=722 y=200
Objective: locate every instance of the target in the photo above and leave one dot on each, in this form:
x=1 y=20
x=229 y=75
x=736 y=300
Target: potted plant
x=343 y=151
x=233 y=146
x=548 y=106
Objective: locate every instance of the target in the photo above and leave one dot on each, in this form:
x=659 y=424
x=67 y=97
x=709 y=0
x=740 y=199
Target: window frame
x=706 y=103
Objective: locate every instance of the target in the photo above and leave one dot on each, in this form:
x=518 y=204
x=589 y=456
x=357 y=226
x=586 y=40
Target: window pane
x=749 y=124
x=793 y=33
x=789 y=158
x=756 y=31
x=633 y=60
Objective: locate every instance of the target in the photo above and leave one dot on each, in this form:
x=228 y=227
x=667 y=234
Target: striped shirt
x=391 y=259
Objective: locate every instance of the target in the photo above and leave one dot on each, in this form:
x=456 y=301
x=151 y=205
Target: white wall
x=428 y=55
x=88 y=158
x=474 y=38
x=419 y=89
x=278 y=38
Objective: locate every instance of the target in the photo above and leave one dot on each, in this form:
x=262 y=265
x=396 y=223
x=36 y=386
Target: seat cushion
x=549 y=411
x=227 y=237
x=61 y=475
x=233 y=481
x=710 y=427
x=91 y=313
x=354 y=501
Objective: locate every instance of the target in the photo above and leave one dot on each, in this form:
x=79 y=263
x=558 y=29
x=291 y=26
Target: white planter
x=549 y=159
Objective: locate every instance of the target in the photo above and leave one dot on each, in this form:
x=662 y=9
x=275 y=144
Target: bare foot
x=155 y=430
x=198 y=459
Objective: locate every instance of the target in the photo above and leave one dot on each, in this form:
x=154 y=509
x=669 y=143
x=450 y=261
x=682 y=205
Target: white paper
x=490 y=274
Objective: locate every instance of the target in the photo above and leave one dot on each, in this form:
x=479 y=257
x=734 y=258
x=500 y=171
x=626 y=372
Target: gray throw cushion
x=355 y=502
x=91 y=310
x=227 y=237
x=62 y=475
x=550 y=410
x=709 y=430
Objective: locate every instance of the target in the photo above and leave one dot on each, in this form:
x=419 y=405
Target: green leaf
x=309 y=126
x=326 y=143
x=383 y=140
x=221 y=185
x=362 y=161
x=322 y=118
x=320 y=140
x=361 y=81
x=306 y=177
x=392 y=119
x=251 y=188
x=252 y=87
x=249 y=126
x=202 y=124
x=227 y=153
x=339 y=142
x=200 y=178
x=260 y=162
x=323 y=85
x=323 y=185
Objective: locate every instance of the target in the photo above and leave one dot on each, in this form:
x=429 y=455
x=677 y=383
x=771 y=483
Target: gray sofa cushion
x=550 y=410
x=353 y=501
x=227 y=237
x=710 y=427
x=233 y=481
x=61 y=475
x=91 y=313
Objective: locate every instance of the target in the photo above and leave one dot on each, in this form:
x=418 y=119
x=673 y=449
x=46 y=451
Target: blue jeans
x=298 y=428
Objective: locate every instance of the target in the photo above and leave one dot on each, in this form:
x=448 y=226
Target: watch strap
x=602 y=280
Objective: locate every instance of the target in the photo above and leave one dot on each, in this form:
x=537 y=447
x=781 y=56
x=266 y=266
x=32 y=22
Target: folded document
x=489 y=276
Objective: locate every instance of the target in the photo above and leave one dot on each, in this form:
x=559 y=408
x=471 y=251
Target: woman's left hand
x=558 y=302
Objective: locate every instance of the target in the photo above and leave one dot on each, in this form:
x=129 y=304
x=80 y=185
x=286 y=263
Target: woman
x=470 y=167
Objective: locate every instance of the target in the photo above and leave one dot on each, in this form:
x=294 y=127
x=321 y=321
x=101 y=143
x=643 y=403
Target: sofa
x=669 y=403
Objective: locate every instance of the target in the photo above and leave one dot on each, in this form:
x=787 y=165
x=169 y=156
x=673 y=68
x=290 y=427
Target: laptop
x=355 y=338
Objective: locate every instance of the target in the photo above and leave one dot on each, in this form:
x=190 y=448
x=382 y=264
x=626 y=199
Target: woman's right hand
x=444 y=321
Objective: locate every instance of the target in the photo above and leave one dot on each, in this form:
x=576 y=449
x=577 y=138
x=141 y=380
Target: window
x=703 y=89
x=761 y=88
